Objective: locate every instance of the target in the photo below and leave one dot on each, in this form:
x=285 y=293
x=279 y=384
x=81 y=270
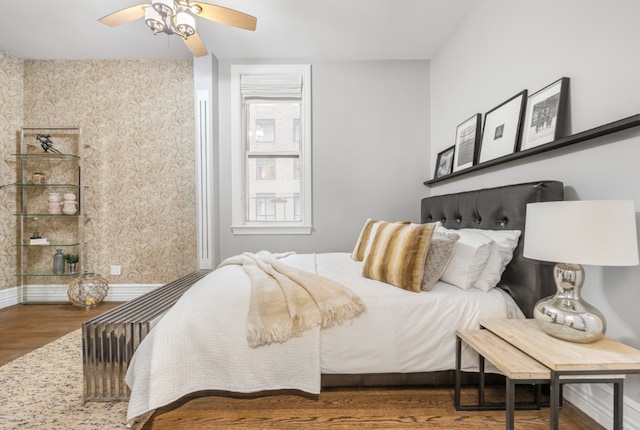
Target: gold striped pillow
x=359 y=252
x=398 y=253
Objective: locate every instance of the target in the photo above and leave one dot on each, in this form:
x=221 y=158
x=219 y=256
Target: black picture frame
x=466 y=143
x=502 y=128
x=444 y=162
x=545 y=118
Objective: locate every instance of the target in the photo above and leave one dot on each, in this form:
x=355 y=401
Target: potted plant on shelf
x=72 y=263
x=39 y=177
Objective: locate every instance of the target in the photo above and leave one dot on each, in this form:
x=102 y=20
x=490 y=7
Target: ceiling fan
x=178 y=17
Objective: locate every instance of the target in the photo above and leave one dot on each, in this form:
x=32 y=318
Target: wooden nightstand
x=518 y=347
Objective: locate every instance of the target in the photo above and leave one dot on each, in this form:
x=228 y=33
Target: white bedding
x=402 y=331
x=201 y=343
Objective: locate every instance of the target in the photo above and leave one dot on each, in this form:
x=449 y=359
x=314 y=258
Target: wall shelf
x=603 y=130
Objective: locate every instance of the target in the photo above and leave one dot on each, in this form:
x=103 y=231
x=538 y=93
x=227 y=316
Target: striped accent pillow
x=359 y=252
x=398 y=253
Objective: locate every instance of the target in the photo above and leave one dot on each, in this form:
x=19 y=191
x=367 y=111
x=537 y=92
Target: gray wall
x=370 y=153
x=505 y=46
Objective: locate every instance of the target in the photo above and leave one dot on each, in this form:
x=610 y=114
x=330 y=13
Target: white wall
x=370 y=153
x=505 y=46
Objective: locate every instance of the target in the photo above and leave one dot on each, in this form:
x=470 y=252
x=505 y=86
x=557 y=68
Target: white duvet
x=201 y=343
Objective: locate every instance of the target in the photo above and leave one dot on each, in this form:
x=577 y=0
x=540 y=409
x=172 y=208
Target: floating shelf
x=603 y=130
x=48 y=156
x=46 y=274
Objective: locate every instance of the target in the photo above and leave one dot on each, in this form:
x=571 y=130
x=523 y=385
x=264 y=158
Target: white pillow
x=470 y=254
x=505 y=241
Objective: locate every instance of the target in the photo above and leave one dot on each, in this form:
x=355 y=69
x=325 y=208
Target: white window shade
x=271 y=86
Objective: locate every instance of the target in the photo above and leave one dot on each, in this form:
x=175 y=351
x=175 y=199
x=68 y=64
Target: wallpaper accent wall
x=138 y=118
x=11 y=95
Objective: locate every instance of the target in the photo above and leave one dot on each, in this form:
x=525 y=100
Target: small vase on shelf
x=58 y=262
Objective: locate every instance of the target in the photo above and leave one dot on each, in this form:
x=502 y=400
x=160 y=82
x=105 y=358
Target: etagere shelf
x=36 y=216
x=603 y=130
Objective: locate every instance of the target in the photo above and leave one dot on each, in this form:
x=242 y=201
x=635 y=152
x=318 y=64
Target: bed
x=403 y=337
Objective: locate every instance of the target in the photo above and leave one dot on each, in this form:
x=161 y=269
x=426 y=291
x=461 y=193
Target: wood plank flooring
x=27 y=327
x=24 y=328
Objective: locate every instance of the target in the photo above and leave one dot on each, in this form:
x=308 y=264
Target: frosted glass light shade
x=589 y=232
x=164 y=7
x=154 y=20
x=186 y=24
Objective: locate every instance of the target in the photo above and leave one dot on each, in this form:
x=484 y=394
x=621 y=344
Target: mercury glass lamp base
x=565 y=315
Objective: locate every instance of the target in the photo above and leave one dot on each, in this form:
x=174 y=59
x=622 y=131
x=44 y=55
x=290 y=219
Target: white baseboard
x=9 y=297
x=596 y=400
x=58 y=293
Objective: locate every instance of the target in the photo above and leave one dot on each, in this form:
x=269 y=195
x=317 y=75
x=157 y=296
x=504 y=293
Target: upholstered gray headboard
x=502 y=208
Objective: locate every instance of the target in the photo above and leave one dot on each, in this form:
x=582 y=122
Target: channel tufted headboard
x=502 y=208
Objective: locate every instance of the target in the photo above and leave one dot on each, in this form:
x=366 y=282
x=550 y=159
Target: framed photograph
x=544 y=121
x=502 y=128
x=466 y=143
x=444 y=163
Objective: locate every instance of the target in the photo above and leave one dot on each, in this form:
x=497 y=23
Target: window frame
x=239 y=226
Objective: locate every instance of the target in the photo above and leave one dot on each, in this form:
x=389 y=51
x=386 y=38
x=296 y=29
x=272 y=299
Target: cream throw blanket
x=285 y=301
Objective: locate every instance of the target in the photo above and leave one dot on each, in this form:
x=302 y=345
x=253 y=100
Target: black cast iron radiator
x=110 y=339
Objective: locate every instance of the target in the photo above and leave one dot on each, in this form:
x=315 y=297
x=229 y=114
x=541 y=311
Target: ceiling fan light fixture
x=179 y=17
x=154 y=20
x=164 y=7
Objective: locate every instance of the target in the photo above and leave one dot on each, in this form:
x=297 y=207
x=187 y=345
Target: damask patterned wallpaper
x=11 y=84
x=138 y=118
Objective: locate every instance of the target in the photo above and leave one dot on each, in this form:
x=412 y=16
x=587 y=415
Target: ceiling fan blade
x=195 y=45
x=224 y=15
x=124 y=16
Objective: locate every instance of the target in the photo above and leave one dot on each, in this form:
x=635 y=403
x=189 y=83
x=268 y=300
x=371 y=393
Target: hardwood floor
x=27 y=327
x=24 y=328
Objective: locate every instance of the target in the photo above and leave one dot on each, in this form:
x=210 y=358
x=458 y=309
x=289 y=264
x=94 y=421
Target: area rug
x=43 y=390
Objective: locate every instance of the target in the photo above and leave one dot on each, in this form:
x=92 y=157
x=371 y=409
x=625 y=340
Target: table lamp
x=573 y=233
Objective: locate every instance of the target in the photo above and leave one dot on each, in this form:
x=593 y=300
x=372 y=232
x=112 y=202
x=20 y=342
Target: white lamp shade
x=589 y=232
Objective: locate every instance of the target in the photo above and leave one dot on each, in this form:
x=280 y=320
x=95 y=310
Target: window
x=265 y=130
x=296 y=168
x=265 y=168
x=264 y=204
x=296 y=129
x=271 y=149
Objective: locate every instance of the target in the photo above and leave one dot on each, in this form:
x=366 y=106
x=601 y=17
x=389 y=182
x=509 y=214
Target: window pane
x=265 y=130
x=273 y=191
x=265 y=207
x=296 y=130
x=265 y=168
x=269 y=126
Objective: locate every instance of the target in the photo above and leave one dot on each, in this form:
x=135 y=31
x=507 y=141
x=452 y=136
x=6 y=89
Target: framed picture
x=444 y=163
x=502 y=128
x=466 y=143
x=544 y=121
